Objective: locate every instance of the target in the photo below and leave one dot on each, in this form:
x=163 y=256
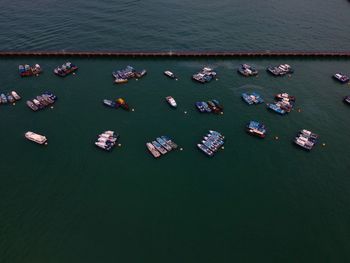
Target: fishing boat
x=107 y=140
x=256 y=128
x=276 y=108
x=39 y=139
x=15 y=95
x=10 y=98
x=347 y=99
x=306 y=139
x=205 y=150
x=152 y=150
x=141 y=73
x=27 y=70
x=121 y=102
x=3 y=98
x=66 y=69
x=205 y=75
x=213 y=107
x=164 y=144
x=123 y=75
x=171 y=101
x=120 y=81
x=169 y=141
x=247 y=70
x=211 y=142
x=341 y=77
x=110 y=103
x=280 y=70
x=159 y=147
x=31 y=105
x=252 y=98
x=51 y=95
x=217 y=133
x=169 y=74
x=218 y=105
x=284 y=96
x=199 y=105
x=206 y=106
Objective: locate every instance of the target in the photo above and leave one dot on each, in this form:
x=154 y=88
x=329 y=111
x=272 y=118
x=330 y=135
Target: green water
x=255 y=201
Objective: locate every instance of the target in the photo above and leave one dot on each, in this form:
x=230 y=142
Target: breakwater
x=265 y=53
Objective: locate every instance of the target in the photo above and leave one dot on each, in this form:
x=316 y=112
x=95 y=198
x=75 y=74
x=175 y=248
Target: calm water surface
x=255 y=201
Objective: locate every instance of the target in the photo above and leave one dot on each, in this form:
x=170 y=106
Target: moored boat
x=31 y=105
x=199 y=105
x=15 y=95
x=205 y=75
x=159 y=147
x=341 y=77
x=10 y=98
x=164 y=144
x=152 y=150
x=122 y=103
x=247 y=70
x=27 y=70
x=107 y=140
x=256 y=128
x=66 y=69
x=280 y=70
x=171 y=101
x=169 y=74
x=3 y=98
x=40 y=139
x=205 y=150
x=276 y=108
x=347 y=99
x=306 y=139
x=110 y=103
x=169 y=141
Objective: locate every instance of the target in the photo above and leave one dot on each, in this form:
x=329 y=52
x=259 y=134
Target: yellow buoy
x=276 y=137
x=51 y=107
x=185 y=112
x=132 y=109
x=46 y=143
x=119 y=144
x=181 y=149
x=323 y=144
x=223 y=147
x=222 y=113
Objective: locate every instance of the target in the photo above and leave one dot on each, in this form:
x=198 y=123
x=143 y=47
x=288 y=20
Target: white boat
x=169 y=74
x=171 y=101
x=40 y=139
x=15 y=95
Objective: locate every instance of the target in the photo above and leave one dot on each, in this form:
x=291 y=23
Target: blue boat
x=216 y=133
x=247 y=98
x=169 y=141
x=205 y=149
x=252 y=98
x=256 y=128
x=206 y=106
x=276 y=108
x=51 y=95
x=199 y=106
x=3 y=98
x=164 y=144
